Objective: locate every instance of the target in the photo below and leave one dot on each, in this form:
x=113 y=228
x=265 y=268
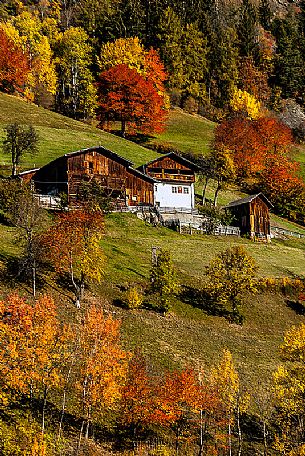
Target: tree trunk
x=216 y=194
x=80 y=437
x=63 y=404
x=45 y=392
x=201 y=434
x=204 y=188
x=14 y=168
x=123 y=128
x=230 y=435
x=239 y=430
x=265 y=439
x=34 y=278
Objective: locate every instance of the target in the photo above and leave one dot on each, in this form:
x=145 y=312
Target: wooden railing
x=47 y=201
x=283 y=231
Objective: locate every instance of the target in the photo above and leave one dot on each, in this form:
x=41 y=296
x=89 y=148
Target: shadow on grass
x=296 y=306
x=16 y=272
x=199 y=299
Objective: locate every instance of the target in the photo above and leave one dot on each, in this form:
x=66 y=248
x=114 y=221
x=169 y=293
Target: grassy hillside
x=59 y=134
x=187 y=133
x=188 y=334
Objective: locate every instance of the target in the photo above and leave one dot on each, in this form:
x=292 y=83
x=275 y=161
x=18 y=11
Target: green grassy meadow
x=189 y=334
x=187 y=133
x=60 y=135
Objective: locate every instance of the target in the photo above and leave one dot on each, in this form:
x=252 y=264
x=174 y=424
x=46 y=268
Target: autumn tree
x=21 y=209
x=245 y=104
x=76 y=93
x=163 y=278
x=251 y=142
x=253 y=79
x=41 y=79
x=32 y=348
x=281 y=183
x=138 y=403
x=225 y=381
x=103 y=366
x=72 y=245
x=19 y=141
x=14 y=65
x=124 y=95
x=229 y=275
x=289 y=388
x=182 y=400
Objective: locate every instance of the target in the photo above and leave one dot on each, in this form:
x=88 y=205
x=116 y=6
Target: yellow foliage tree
x=26 y=31
x=245 y=103
x=289 y=389
x=224 y=381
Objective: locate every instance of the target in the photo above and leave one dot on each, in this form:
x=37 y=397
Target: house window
x=91 y=167
x=185 y=190
x=156 y=188
x=179 y=189
x=174 y=190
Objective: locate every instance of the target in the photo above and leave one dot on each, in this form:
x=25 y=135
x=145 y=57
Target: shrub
x=133 y=298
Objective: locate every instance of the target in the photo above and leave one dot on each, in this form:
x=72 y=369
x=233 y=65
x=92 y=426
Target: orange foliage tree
x=251 y=142
x=126 y=96
x=72 y=245
x=139 y=399
x=103 y=365
x=280 y=182
x=184 y=402
x=32 y=348
x=14 y=65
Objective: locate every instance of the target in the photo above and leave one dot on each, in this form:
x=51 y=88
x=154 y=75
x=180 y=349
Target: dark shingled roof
x=248 y=199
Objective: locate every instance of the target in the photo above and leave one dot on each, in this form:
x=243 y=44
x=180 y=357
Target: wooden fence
x=196 y=228
x=284 y=232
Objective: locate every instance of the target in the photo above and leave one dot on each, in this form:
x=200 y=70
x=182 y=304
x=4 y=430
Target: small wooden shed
x=252 y=215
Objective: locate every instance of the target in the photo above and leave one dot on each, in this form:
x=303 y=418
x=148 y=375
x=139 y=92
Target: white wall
x=165 y=197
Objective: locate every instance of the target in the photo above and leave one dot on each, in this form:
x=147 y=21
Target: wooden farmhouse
x=166 y=182
x=126 y=185
x=252 y=215
x=175 y=178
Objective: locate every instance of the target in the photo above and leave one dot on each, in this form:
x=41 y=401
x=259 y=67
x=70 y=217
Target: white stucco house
x=174 y=181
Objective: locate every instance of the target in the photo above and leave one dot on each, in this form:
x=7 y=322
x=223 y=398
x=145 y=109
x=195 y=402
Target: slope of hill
x=188 y=133
x=59 y=135
x=190 y=333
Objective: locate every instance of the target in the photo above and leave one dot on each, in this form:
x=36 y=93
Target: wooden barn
x=252 y=215
x=127 y=186
x=175 y=178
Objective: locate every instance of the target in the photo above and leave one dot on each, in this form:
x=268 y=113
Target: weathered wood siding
x=253 y=218
x=119 y=180
x=259 y=217
x=92 y=165
x=168 y=169
x=138 y=191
